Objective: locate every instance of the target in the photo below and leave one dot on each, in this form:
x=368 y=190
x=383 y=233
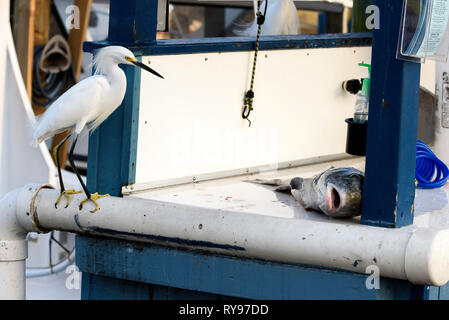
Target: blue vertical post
x=133 y=21
x=113 y=146
x=322 y=23
x=389 y=188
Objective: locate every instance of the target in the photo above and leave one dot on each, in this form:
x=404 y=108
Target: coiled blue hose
x=430 y=172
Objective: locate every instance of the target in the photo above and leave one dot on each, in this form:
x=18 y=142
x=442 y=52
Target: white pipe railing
x=43 y=272
x=415 y=254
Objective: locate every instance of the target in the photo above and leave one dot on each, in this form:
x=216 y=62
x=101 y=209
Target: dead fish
x=337 y=192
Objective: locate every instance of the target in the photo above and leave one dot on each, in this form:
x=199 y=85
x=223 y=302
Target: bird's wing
x=74 y=106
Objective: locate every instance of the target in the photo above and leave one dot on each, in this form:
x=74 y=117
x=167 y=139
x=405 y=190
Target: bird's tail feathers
x=32 y=123
x=270 y=182
x=283 y=185
x=39 y=137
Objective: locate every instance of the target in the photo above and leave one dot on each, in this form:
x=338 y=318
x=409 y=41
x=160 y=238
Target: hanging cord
x=50 y=240
x=249 y=97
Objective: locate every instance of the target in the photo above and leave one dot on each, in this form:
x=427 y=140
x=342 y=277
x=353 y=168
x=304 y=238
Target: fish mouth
x=334 y=200
x=342 y=204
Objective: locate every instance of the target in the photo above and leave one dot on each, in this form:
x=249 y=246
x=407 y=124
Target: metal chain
x=249 y=97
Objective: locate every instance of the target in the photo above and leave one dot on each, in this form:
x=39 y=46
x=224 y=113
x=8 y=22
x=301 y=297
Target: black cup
x=356 y=137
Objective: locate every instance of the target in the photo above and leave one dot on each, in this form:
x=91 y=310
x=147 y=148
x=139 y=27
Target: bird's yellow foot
x=67 y=194
x=93 y=197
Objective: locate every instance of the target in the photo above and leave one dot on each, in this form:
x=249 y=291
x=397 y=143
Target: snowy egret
x=88 y=103
x=282 y=19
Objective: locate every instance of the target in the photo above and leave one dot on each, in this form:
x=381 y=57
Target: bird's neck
x=117 y=81
x=116 y=76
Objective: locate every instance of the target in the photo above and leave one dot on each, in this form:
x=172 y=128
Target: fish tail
x=270 y=182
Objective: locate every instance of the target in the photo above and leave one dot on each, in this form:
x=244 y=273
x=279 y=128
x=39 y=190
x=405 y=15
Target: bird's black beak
x=147 y=68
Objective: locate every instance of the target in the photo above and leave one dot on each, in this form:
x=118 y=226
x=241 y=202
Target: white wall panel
x=190 y=123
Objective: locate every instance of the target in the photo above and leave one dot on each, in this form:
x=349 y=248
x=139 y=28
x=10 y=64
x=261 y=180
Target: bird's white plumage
x=281 y=19
x=90 y=101
x=76 y=107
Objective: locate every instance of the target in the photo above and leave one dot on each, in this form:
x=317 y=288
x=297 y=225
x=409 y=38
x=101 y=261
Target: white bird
x=281 y=19
x=88 y=103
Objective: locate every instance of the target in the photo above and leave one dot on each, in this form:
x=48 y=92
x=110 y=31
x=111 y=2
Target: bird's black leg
x=92 y=197
x=64 y=192
x=72 y=163
x=56 y=157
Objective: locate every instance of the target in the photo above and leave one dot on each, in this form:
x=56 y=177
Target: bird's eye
x=130 y=59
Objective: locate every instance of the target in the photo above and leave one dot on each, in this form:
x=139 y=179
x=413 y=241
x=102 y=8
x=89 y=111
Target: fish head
x=343 y=193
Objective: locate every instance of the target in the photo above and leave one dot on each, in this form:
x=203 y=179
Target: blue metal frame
x=389 y=188
x=133 y=21
x=204 y=45
x=113 y=146
x=119 y=269
x=322 y=22
x=146 y=269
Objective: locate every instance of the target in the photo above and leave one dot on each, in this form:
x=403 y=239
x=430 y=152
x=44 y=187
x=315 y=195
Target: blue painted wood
x=437 y=293
x=431 y=293
x=226 y=276
x=322 y=23
x=113 y=146
x=133 y=21
x=227 y=44
x=130 y=125
x=443 y=293
x=170 y=293
x=389 y=187
x=394 y=289
x=104 y=288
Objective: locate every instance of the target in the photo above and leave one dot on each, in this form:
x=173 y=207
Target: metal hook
x=248 y=106
x=245 y=113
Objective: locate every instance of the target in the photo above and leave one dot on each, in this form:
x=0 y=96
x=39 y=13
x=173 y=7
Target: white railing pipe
x=415 y=254
x=13 y=249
